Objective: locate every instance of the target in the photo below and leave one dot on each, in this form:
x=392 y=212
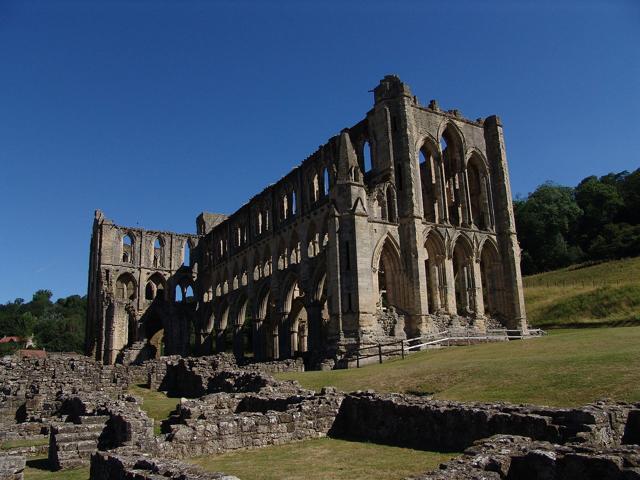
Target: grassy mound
x=606 y=294
x=565 y=368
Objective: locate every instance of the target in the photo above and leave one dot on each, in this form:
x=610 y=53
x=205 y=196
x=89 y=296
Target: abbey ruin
x=399 y=226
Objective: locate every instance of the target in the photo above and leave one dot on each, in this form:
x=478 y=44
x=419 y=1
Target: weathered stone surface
x=114 y=466
x=428 y=424
x=11 y=467
x=509 y=457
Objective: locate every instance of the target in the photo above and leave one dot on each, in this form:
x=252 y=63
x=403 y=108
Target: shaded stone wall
x=120 y=466
x=410 y=421
x=506 y=457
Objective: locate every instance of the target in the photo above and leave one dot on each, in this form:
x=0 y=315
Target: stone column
x=478 y=300
x=238 y=341
x=258 y=339
x=220 y=346
x=434 y=285
x=450 y=287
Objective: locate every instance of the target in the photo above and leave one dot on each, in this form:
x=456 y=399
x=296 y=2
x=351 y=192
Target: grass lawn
x=38 y=468
x=565 y=368
x=323 y=459
x=156 y=404
x=606 y=294
x=28 y=442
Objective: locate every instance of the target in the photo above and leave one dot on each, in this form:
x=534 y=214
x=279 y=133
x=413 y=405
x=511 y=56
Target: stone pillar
x=258 y=339
x=220 y=346
x=238 y=341
x=434 y=285
x=478 y=301
x=284 y=330
x=450 y=287
x=505 y=225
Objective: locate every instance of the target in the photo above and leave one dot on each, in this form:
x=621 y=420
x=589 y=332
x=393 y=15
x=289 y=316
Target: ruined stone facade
x=399 y=226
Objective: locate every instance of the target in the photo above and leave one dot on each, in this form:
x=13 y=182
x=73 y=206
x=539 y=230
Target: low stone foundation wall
x=280 y=366
x=12 y=467
x=506 y=457
x=222 y=422
x=410 y=421
x=114 y=466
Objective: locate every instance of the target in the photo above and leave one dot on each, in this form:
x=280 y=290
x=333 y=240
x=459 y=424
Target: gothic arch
x=435 y=269
x=126 y=287
x=492 y=278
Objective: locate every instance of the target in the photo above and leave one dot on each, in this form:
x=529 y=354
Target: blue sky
x=157 y=110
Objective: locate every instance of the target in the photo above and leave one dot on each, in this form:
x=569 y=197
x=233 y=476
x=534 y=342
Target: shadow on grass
x=420 y=393
x=359 y=441
x=39 y=464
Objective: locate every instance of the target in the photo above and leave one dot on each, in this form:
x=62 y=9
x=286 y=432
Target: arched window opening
x=428 y=181
x=186 y=259
x=452 y=159
x=478 y=194
x=179 y=294
x=492 y=280
x=366 y=154
x=259 y=223
x=125 y=287
x=285 y=207
x=325 y=181
x=294 y=207
x=127 y=249
x=463 y=279
x=149 y=291
x=315 y=189
x=435 y=272
x=391 y=205
x=158 y=253
x=389 y=278
x=189 y=296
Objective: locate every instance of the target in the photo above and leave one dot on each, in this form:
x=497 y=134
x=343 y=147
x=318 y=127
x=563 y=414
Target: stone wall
x=30 y=386
x=424 y=424
x=221 y=422
x=11 y=467
x=114 y=466
x=506 y=457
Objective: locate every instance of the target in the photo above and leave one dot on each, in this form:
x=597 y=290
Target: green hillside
x=605 y=294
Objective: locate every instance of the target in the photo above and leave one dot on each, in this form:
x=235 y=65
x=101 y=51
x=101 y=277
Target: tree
x=544 y=221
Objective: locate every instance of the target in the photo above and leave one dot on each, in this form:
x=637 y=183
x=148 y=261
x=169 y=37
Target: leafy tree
x=544 y=221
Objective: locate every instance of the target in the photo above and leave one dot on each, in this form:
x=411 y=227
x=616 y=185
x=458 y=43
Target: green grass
x=38 y=468
x=22 y=443
x=606 y=294
x=323 y=459
x=565 y=368
x=156 y=404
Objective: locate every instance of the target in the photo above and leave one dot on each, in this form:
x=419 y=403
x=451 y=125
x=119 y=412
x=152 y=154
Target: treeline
x=55 y=326
x=597 y=220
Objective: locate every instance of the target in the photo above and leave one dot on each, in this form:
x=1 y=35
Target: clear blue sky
x=157 y=110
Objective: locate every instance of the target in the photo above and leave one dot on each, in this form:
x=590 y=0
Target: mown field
x=324 y=459
x=564 y=368
x=606 y=294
